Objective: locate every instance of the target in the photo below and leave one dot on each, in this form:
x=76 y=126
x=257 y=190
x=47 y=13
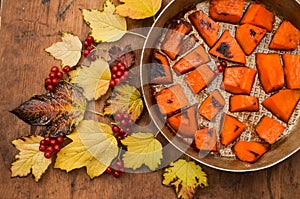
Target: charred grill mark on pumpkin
x=252 y=33
x=157 y=71
x=223 y=48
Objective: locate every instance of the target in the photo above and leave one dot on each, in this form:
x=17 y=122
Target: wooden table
x=27 y=27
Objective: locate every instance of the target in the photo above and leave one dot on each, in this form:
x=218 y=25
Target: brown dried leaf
x=125 y=56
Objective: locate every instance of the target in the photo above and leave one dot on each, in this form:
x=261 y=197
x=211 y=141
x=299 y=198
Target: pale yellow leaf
x=138 y=9
x=68 y=51
x=30 y=158
x=106 y=25
x=93 y=146
x=94 y=79
x=186 y=176
x=142 y=149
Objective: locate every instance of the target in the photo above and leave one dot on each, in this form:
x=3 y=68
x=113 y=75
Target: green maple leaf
x=68 y=51
x=106 y=25
x=93 y=79
x=30 y=158
x=142 y=148
x=126 y=99
x=185 y=176
x=93 y=146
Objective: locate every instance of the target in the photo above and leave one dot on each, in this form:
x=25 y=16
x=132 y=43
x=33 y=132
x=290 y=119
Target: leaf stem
x=156 y=134
x=97 y=113
x=137 y=34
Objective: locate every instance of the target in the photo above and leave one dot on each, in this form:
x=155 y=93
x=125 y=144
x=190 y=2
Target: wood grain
x=27 y=27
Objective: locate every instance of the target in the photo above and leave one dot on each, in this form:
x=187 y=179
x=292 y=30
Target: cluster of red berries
x=119 y=133
x=221 y=67
x=55 y=76
x=51 y=145
x=124 y=121
x=89 y=46
x=119 y=74
x=118 y=171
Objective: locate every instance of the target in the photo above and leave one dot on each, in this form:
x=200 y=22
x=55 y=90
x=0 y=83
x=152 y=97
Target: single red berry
x=118 y=117
x=117 y=80
x=120 y=64
x=50 y=88
x=60 y=139
x=55 y=81
x=116 y=174
x=59 y=75
x=92 y=57
x=90 y=39
x=48 y=81
x=119 y=73
x=220 y=68
x=113 y=76
x=119 y=137
x=54 y=69
x=52 y=75
x=42 y=147
x=53 y=142
x=120 y=164
x=86 y=44
x=66 y=69
x=86 y=53
x=47 y=154
x=47 y=140
x=112 y=83
x=90 y=48
x=115 y=129
x=123 y=123
x=56 y=148
x=114 y=69
x=126 y=73
x=123 y=79
x=109 y=170
x=121 y=132
x=130 y=122
x=126 y=116
x=122 y=68
x=43 y=142
x=223 y=63
x=50 y=148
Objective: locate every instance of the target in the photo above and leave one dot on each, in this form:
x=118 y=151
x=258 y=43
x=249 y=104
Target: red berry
x=54 y=69
x=50 y=148
x=216 y=72
x=66 y=69
x=50 y=88
x=48 y=81
x=86 y=44
x=121 y=132
x=112 y=83
x=90 y=39
x=119 y=137
x=128 y=130
x=86 y=53
x=109 y=170
x=122 y=68
x=47 y=140
x=126 y=73
x=113 y=76
x=43 y=142
x=47 y=154
x=56 y=148
x=114 y=69
x=126 y=116
x=119 y=73
x=42 y=147
x=220 y=68
x=223 y=63
x=130 y=122
x=90 y=48
x=116 y=174
x=92 y=57
x=52 y=75
x=120 y=164
x=118 y=117
x=53 y=142
x=59 y=75
x=123 y=79
x=117 y=80
x=123 y=123
x=55 y=81
x=125 y=135
x=120 y=64
x=115 y=129
x=60 y=139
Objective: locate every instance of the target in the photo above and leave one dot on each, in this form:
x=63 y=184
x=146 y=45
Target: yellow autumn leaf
x=126 y=99
x=138 y=9
x=93 y=146
x=68 y=51
x=106 y=25
x=93 y=79
x=186 y=176
x=30 y=158
x=142 y=149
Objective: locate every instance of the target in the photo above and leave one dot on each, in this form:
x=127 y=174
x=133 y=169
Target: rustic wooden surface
x=29 y=26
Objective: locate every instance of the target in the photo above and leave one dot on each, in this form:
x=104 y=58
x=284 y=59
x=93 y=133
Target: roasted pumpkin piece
x=188 y=43
x=238 y=79
x=269 y=129
x=226 y=10
x=292 y=70
x=199 y=78
x=228 y=48
x=270 y=71
x=185 y=122
x=172 y=42
x=286 y=37
x=231 y=128
x=258 y=15
x=249 y=36
x=206 y=27
x=192 y=60
x=160 y=70
x=206 y=139
x=250 y=151
x=212 y=105
x=171 y=99
x=283 y=103
x=239 y=103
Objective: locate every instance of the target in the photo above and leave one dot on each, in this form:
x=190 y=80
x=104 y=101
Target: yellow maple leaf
x=93 y=79
x=93 y=146
x=106 y=25
x=142 y=148
x=30 y=158
x=138 y=9
x=185 y=176
x=68 y=51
